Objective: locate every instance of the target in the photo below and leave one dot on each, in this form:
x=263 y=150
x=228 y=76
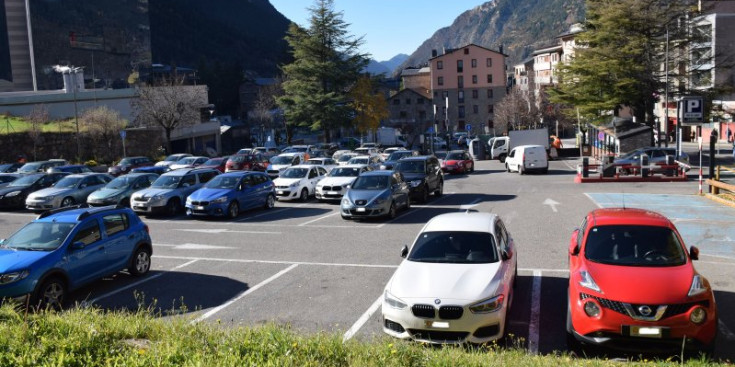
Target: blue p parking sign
x=123 y=133
x=468 y=127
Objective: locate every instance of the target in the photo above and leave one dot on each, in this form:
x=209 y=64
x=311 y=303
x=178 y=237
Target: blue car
x=159 y=170
x=228 y=194
x=67 y=248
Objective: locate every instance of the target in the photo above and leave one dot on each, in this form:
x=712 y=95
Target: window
x=440 y=80
x=460 y=66
x=489 y=93
x=408 y=100
x=440 y=65
x=436 y=93
x=460 y=81
x=473 y=62
x=466 y=51
x=490 y=124
x=490 y=78
x=460 y=96
x=422 y=115
x=474 y=79
x=420 y=101
x=313 y=173
x=204 y=177
x=88 y=234
x=489 y=62
x=115 y=223
x=403 y=114
x=445 y=94
x=475 y=109
x=460 y=111
x=490 y=108
x=474 y=93
x=396 y=101
x=188 y=180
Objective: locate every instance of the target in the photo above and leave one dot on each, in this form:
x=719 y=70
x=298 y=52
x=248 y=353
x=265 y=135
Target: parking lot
x=302 y=265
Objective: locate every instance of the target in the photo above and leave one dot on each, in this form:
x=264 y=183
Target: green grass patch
x=91 y=337
x=14 y=124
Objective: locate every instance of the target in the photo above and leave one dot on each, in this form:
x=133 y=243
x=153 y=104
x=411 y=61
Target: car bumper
x=334 y=195
x=469 y=328
x=209 y=210
x=363 y=211
x=41 y=205
x=417 y=192
x=103 y=202
x=288 y=193
x=146 y=208
x=16 y=292
x=452 y=169
x=616 y=330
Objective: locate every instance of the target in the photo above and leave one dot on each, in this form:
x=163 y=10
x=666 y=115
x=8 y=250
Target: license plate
x=437 y=324
x=198 y=207
x=331 y=192
x=140 y=207
x=280 y=192
x=360 y=210
x=646 y=331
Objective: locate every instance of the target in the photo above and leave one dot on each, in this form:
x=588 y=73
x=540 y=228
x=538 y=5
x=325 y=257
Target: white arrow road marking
x=552 y=204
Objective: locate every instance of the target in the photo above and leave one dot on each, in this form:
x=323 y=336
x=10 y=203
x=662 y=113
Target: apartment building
x=523 y=75
x=416 y=78
x=466 y=83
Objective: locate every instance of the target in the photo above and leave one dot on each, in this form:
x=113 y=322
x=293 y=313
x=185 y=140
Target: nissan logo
x=437 y=301
x=645 y=310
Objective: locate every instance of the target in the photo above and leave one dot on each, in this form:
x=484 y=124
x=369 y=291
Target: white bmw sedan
x=456 y=282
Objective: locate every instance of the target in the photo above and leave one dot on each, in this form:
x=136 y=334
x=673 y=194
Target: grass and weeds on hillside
x=12 y=124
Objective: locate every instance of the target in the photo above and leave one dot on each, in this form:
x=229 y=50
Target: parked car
x=247 y=162
x=168 y=193
x=345 y=157
x=171 y=159
x=7 y=178
x=336 y=183
x=245 y=151
x=281 y=162
x=376 y=194
x=656 y=156
x=367 y=151
x=374 y=161
x=527 y=158
x=267 y=152
x=10 y=167
x=633 y=284
x=128 y=163
x=41 y=166
x=62 y=250
x=390 y=162
x=388 y=151
x=73 y=168
x=458 y=161
x=337 y=154
x=327 y=163
x=456 y=283
x=424 y=174
x=298 y=182
x=220 y=163
x=14 y=195
x=158 y=170
x=189 y=162
x=231 y=193
x=70 y=190
x=119 y=190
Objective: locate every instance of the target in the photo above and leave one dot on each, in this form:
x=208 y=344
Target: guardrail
x=716 y=185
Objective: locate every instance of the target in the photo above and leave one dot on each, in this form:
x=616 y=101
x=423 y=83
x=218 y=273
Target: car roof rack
x=90 y=210
x=61 y=210
x=95 y=210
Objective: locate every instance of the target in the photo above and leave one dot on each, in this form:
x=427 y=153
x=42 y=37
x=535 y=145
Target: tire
x=507 y=168
x=545 y=171
x=392 y=211
x=501 y=158
x=140 y=263
x=173 y=207
x=50 y=295
x=439 y=189
x=233 y=210
x=68 y=201
x=304 y=194
x=408 y=203
x=425 y=194
x=520 y=169
x=270 y=202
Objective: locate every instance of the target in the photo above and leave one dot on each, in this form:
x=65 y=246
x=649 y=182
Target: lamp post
x=74 y=71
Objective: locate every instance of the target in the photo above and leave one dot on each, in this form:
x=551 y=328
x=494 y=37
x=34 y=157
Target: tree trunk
x=168 y=141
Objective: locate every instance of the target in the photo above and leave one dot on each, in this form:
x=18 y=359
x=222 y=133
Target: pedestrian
x=733 y=150
x=729 y=134
x=693 y=134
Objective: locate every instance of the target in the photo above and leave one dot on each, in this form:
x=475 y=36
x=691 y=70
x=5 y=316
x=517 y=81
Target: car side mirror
x=694 y=253
x=77 y=245
x=404 y=251
x=573 y=248
x=506 y=255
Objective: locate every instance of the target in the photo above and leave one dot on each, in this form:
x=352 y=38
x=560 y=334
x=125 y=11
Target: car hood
x=180 y=166
x=105 y=193
x=205 y=194
x=366 y=194
x=336 y=181
x=148 y=193
x=51 y=191
x=468 y=282
x=164 y=164
x=285 y=181
x=11 y=260
x=7 y=189
x=648 y=285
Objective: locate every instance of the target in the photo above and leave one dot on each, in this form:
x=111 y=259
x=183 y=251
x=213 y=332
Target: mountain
x=520 y=26
x=375 y=67
x=394 y=62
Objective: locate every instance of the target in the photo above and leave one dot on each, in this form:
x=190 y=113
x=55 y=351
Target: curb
x=719 y=200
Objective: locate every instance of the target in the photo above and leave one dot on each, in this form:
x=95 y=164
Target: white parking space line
x=267 y=212
x=593 y=200
x=362 y=320
x=542 y=270
x=223 y=230
x=533 y=323
x=318 y=219
x=116 y=291
x=418 y=207
x=378 y=266
x=250 y=290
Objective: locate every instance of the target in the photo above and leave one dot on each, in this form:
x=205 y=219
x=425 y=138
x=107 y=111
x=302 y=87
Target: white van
x=526 y=158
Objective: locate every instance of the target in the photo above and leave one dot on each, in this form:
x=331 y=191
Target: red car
x=458 y=161
x=216 y=163
x=247 y=162
x=632 y=284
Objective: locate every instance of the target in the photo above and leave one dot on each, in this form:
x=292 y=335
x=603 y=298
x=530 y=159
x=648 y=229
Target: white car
x=173 y=158
x=335 y=185
x=188 y=162
x=339 y=153
x=527 y=158
x=387 y=152
x=344 y=158
x=298 y=182
x=279 y=163
x=456 y=282
x=327 y=163
x=373 y=161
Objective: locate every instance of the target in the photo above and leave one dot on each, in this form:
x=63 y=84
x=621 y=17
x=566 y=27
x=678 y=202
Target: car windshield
x=358 y=160
x=631 y=245
x=345 y=172
x=440 y=155
x=241 y=158
x=122 y=182
x=454 y=156
x=454 y=247
x=295 y=173
x=213 y=162
x=125 y=162
x=29 y=167
x=398 y=155
x=244 y=151
x=314 y=162
x=24 y=181
x=410 y=166
x=281 y=160
x=371 y=183
x=188 y=160
x=68 y=182
x=166 y=182
x=223 y=182
x=346 y=157
x=39 y=236
x=298 y=149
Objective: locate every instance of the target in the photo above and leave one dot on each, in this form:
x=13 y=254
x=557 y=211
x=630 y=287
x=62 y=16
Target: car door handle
x=130 y=237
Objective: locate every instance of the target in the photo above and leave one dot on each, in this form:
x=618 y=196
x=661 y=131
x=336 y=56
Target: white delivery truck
x=390 y=137
x=503 y=144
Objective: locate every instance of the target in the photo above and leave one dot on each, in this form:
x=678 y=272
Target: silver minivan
x=527 y=158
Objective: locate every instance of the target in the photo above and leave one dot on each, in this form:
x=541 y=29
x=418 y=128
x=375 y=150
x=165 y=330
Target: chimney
x=501 y=48
x=433 y=53
x=444 y=50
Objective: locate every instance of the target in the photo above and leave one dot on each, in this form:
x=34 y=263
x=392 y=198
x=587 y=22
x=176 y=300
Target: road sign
x=123 y=133
x=468 y=127
x=691 y=110
x=431 y=129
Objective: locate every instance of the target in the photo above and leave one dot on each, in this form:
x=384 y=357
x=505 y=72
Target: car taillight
x=523 y=158
x=145 y=226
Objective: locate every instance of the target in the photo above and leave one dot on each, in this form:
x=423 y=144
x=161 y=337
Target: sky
x=388 y=27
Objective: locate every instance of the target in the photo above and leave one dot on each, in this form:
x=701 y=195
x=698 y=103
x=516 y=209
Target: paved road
x=301 y=264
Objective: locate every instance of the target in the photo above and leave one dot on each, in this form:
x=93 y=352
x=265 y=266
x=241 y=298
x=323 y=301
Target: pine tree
x=326 y=64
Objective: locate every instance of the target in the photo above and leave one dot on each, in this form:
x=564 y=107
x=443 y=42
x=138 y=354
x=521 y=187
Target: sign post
x=123 y=134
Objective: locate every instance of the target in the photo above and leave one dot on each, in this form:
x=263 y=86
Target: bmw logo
x=645 y=310
x=437 y=301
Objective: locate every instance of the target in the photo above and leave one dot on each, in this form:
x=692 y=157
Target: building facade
x=15 y=53
x=466 y=83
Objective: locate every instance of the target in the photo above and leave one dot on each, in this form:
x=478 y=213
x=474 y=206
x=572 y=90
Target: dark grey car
x=376 y=194
x=119 y=190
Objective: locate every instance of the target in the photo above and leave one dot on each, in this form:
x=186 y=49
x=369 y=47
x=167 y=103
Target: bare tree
x=37 y=117
x=516 y=111
x=103 y=125
x=265 y=103
x=169 y=104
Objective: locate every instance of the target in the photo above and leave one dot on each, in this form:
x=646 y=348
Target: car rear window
x=631 y=245
x=454 y=247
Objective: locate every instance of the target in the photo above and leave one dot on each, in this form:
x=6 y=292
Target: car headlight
x=697 y=286
x=41 y=198
x=489 y=305
x=295 y=184
x=382 y=166
x=346 y=201
x=220 y=200
x=13 y=277
x=698 y=315
x=416 y=183
x=393 y=301
x=11 y=194
x=588 y=282
x=188 y=200
x=157 y=197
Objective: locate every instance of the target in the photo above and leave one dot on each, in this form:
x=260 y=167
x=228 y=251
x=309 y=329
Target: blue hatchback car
x=67 y=248
x=229 y=193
